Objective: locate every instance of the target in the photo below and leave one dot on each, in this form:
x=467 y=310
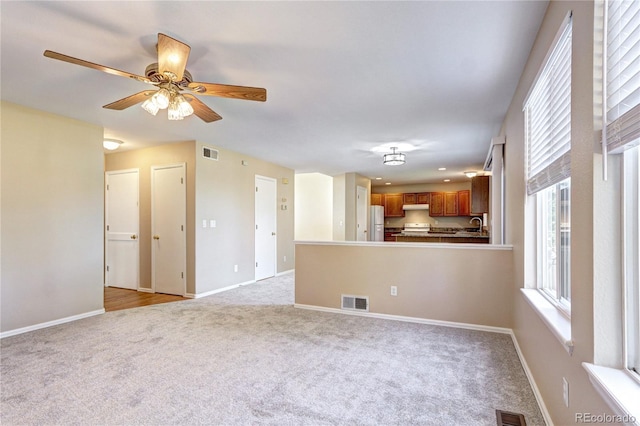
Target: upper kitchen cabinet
x=416 y=198
x=436 y=205
x=451 y=204
x=423 y=198
x=409 y=198
x=377 y=200
x=464 y=202
x=479 y=195
x=393 y=205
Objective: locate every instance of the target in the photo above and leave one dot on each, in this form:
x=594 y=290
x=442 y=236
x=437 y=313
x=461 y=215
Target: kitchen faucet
x=479 y=220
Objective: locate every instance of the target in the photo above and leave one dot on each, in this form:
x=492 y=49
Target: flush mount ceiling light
x=471 y=174
x=393 y=159
x=111 y=144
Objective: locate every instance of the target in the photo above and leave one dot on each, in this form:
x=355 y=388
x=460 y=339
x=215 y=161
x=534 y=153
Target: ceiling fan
x=175 y=87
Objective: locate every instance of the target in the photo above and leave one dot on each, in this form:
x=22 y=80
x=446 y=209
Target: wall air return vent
x=355 y=303
x=210 y=153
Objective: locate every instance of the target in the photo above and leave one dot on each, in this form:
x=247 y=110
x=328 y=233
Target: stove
x=416 y=228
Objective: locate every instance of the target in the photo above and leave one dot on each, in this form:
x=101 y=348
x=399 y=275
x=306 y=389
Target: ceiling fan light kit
x=169 y=74
x=393 y=159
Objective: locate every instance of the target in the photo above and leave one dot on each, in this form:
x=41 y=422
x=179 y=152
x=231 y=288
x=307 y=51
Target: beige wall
x=225 y=192
x=546 y=357
x=143 y=159
x=314 y=207
x=351 y=182
x=464 y=285
x=52 y=217
x=339 y=207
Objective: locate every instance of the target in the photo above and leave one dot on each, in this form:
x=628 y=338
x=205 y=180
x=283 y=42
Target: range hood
x=415 y=207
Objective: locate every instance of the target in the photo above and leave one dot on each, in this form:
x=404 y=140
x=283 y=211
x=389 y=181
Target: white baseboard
x=218 y=290
x=532 y=382
x=408 y=319
x=231 y=287
x=50 y=323
x=145 y=290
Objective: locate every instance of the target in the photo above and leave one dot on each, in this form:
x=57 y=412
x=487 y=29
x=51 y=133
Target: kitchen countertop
x=460 y=234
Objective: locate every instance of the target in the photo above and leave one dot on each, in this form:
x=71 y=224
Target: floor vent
x=506 y=418
x=355 y=303
x=210 y=153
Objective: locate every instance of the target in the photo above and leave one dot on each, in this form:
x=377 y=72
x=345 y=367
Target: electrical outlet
x=235 y=268
x=285 y=258
x=394 y=290
x=565 y=392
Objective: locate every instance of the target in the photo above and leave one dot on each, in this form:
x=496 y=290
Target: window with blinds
x=548 y=118
x=623 y=75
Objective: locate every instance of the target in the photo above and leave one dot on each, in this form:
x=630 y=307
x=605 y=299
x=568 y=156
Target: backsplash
x=422 y=216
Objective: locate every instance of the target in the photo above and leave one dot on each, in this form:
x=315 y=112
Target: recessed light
x=447 y=180
x=387 y=183
x=442 y=168
x=378 y=178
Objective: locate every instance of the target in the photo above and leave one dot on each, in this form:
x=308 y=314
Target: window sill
x=559 y=325
x=620 y=391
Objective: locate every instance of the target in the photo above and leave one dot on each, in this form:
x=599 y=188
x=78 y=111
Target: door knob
x=156 y=237
x=133 y=237
x=273 y=233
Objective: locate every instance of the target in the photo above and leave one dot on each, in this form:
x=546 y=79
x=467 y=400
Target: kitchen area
x=431 y=213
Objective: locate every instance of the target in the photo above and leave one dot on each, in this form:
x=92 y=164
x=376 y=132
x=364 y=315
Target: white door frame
x=275 y=222
x=106 y=224
x=362 y=211
x=184 y=221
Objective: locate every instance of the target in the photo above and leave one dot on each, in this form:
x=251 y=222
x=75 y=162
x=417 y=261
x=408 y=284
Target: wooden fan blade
x=72 y=60
x=172 y=56
x=226 y=91
x=130 y=100
x=201 y=110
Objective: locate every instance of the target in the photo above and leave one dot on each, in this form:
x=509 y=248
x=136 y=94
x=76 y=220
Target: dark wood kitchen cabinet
x=464 y=202
x=417 y=198
x=479 y=195
x=451 y=204
x=422 y=198
x=393 y=205
x=377 y=200
x=409 y=198
x=436 y=205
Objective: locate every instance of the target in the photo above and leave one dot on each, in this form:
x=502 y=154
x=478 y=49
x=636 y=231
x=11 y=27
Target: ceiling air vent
x=210 y=153
x=355 y=303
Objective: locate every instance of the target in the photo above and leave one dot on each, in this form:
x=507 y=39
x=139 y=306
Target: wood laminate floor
x=120 y=298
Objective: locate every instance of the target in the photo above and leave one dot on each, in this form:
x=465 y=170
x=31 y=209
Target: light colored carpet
x=247 y=357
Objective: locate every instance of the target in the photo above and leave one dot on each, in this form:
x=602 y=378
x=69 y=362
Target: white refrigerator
x=376 y=223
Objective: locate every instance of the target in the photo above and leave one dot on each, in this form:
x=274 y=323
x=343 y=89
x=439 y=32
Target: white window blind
x=623 y=74
x=548 y=119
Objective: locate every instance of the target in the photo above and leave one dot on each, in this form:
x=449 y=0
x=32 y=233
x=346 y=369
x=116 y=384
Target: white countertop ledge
x=391 y=244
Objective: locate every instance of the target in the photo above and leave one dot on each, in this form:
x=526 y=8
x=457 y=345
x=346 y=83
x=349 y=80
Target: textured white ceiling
x=341 y=77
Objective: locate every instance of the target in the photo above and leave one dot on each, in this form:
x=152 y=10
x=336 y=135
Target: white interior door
x=266 y=208
x=122 y=261
x=361 y=213
x=168 y=220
